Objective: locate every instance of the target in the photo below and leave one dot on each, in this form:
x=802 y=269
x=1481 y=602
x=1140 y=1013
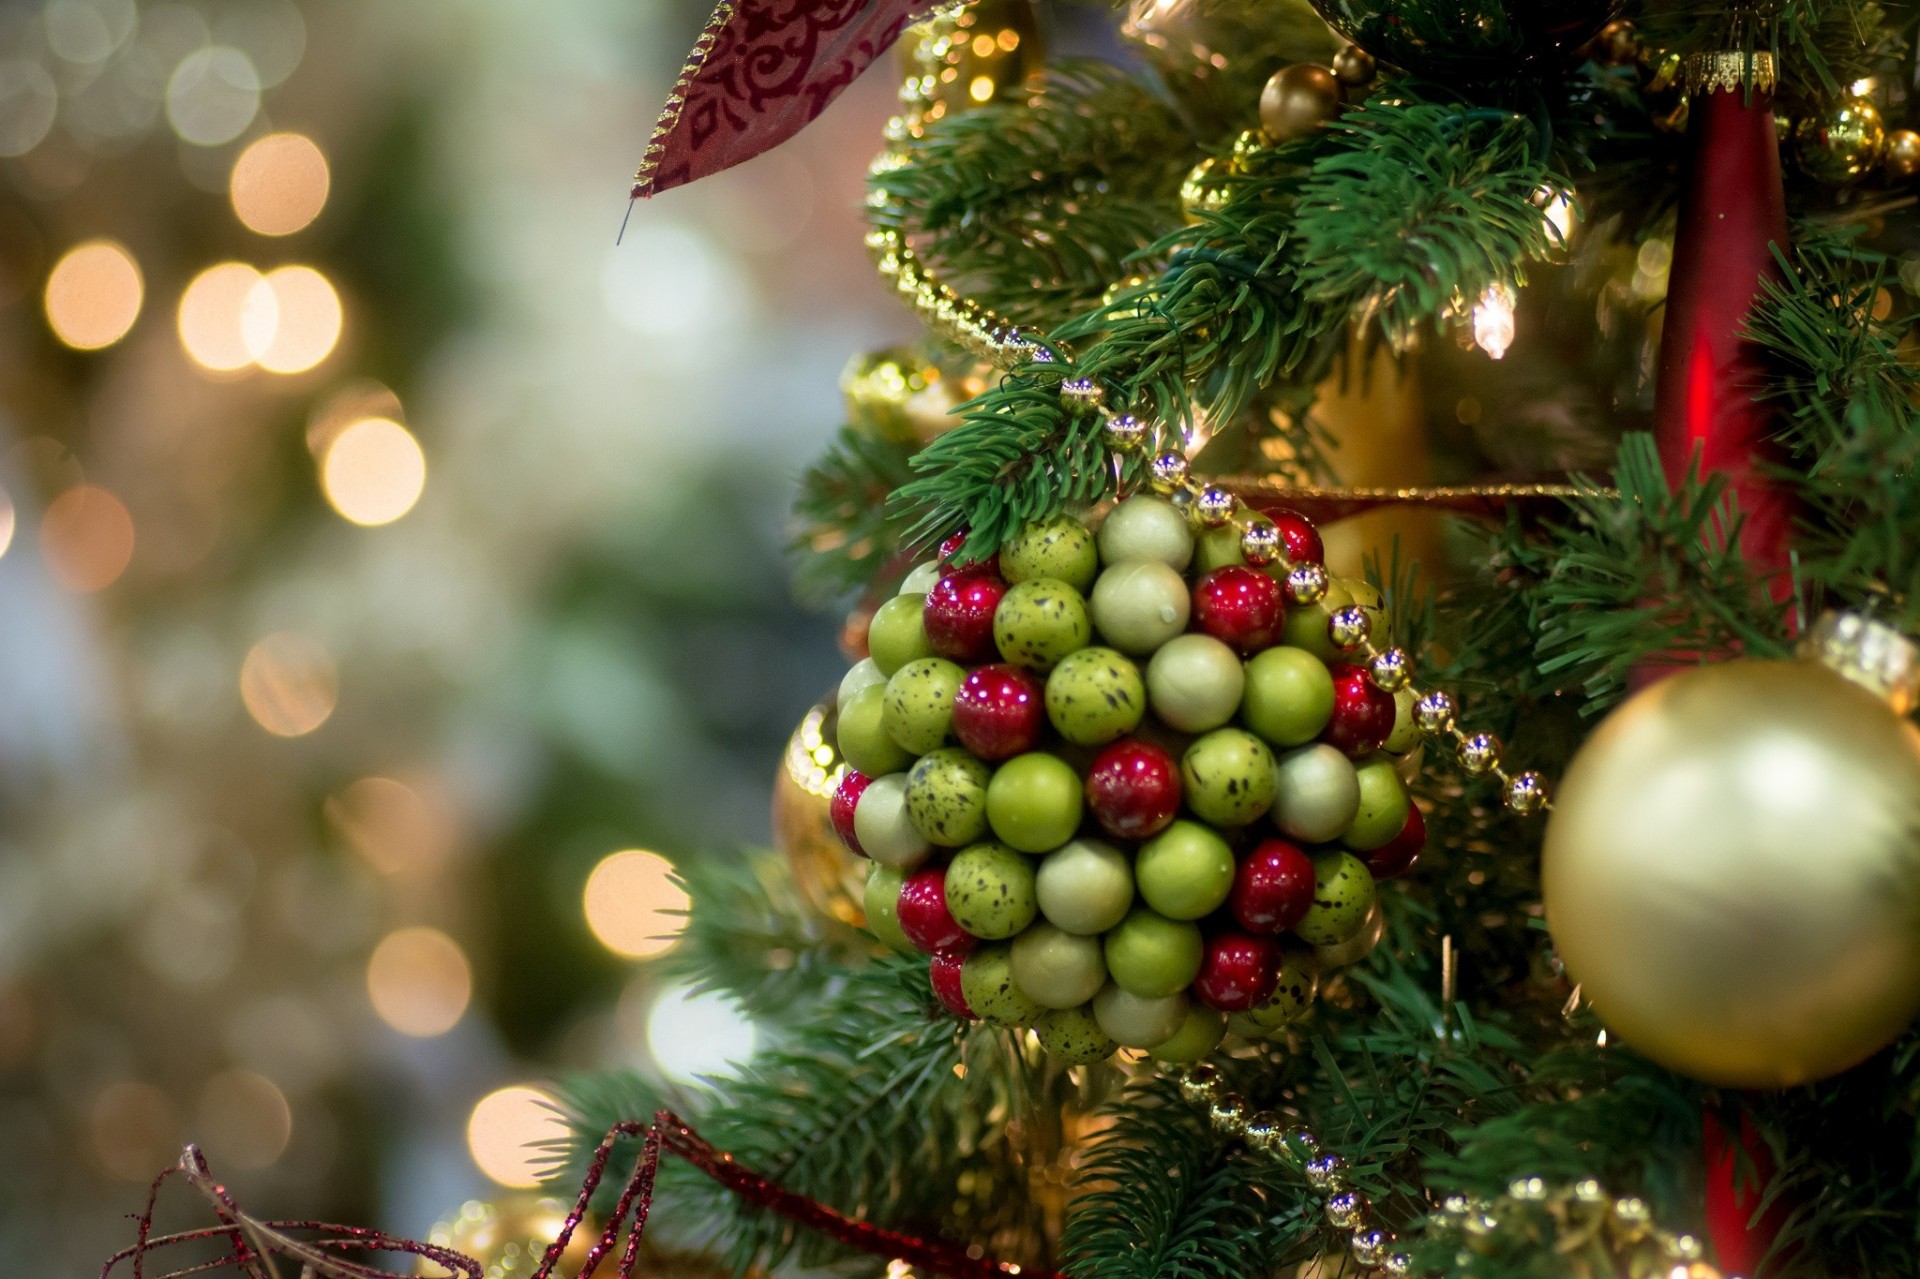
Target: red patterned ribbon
x=760 y=72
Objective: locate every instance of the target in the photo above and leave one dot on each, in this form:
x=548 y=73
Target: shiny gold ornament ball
x=1298 y=100
x=1203 y=191
x=1354 y=67
x=898 y=396
x=1838 y=145
x=1732 y=873
x=509 y=1235
x=829 y=878
x=1901 y=157
x=990 y=49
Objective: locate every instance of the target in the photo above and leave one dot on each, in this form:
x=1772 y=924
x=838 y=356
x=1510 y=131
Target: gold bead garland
x=1582 y=1220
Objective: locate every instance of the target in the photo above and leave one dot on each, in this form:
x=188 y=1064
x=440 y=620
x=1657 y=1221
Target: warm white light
x=419 y=981
x=279 y=184
x=93 y=295
x=507 y=1131
x=691 y=1035
x=86 y=538
x=299 y=319
x=7 y=517
x=225 y=318
x=391 y=825
x=289 y=684
x=1559 y=216
x=373 y=471
x=632 y=904
x=1493 y=327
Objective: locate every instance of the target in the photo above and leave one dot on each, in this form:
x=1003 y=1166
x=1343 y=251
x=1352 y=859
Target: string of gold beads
x=981 y=331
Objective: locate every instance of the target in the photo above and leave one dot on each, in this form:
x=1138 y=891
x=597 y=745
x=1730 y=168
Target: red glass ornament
x=959 y=614
x=1299 y=536
x=1238 y=972
x=924 y=916
x=1273 y=888
x=846 y=798
x=1362 y=712
x=950 y=548
x=999 y=711
x=944 y=971
x=1397 y=856
x=1133 y=789
x=1241 y=607
x=1738 y=1170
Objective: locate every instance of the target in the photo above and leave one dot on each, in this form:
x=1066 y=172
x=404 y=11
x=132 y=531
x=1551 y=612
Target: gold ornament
x=1837 y=146
x=1617 y=45
x=1901 y=157
x=899 y=397
x=1354 y=67
x=1213 y=55
x=509 y=1235
x=1202 y=190
x=967 y=57
x=831 y=879
x=1298 y=100
x=1731 y=871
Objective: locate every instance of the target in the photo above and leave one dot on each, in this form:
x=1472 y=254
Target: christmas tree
x=1379 y=718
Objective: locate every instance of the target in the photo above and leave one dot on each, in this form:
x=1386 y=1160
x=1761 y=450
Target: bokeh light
x=633 y=905
x=691 y=1035
x=7 y=518
x=94 y=295
x=419 y=981
x=221 y=325
x=289 y=684
x=212 y=96
x=305 y=319
x=29 y=101
x=373 y=471
x=506 y=1130
x=279 y=184
x=244 y=1120
x=86 y=538
x=391 y=825
x=134 y=1130
x=86 y=32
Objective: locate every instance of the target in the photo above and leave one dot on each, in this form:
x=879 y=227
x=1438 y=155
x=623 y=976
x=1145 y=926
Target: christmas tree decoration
x=1900 y=157
x=971 y=55
x=900 y=397
x=1213 y=55
x=1841 y=144
x=1298 y=100
x=1729 y=872
x=814 y=796
x=509 y=1235
x=1439 y=37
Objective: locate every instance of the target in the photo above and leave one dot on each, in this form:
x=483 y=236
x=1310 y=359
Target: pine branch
x=848 y=535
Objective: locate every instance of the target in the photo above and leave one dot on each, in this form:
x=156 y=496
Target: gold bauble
x=509 y=1235
x=831 y=879
x=1203 y=191
x=898 y=396
x=1732 y=873
x=1355 y=67
x=1213 y=55
x=1839 y=145
x=966 y=58
x=1901 y=157
x=1298 y=100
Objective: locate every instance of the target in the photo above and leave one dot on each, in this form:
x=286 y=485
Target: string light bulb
x=1493 y=328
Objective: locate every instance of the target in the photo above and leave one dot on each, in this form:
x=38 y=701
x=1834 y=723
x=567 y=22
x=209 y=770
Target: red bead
x=951 y=547
x=1397 y=855
x=1362 y=712
x=1273 y=888
x=1238 y=972
x=1241 y=607
x=999 y=712
x=959 y=616
x=1133 y=789
x=944 y=970
x=924 y=917
x=846 y=797
x=1300 y=537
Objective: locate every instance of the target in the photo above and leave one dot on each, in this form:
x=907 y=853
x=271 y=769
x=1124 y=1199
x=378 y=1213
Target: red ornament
x=1732 y=211
x=1273 y=888
x=959 y=614
x=1134 y=789
x=924 y=917
x=1397 y=856
x=1735 y=1188
x=1241 y=607
x=1362 y=712
x=1238 y=972
x=1000 y=711
x=944 y=970
x=950 y=549
x=1299 y=536
x=846 y=798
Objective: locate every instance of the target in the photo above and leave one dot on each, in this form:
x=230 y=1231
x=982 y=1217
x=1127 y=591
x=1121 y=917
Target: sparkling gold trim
x=812 y=761
x=1728 y=72
x=677 y=100
x=1871 y=654
x=984 y=332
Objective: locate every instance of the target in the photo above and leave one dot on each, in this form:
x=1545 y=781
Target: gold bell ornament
x=1732 y=868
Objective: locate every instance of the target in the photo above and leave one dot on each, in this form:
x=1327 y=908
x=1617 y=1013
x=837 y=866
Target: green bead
x=1185 y=872
x=881 y=898
x=1095 y=696
x=947 y=797
x=1342 y=896
x=919 y=706
x=1194 y=683
x=896 y=634
x=1061 y=548
x=1152 y=956
x=1146 y=529
x=1139 y=606
x=1073 y=1036
x=1289 y=696
x=1058 y=969
x=1292 y=996
x=1039 y=622
x=1306 y=625
x=858 y=676
x=1315 y=793
x=990 y=891
x=863 y=738
x=1134 y=1022
x=1406 y=732
x=1228 y=777
x=1034 y=801
x=1217 y=548
x=1198 y=1036
x=1085 y=886
x=986 y=979
x=922 y=579
x=1383 y=804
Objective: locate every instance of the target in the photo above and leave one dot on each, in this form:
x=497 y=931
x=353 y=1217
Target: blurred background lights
x=391 y=825
x=219 y=317
x=692 y=1035
x=419 y=981
x=134 y=1130
x=28 y=103
x=86 y=32
x=373 y=471
x=279 y=184
x=270 y=32
x=289 y=684
x=507 y=1131
x=213 y=96
x=93 y=295
x=243 y=1120
x=633 y=904
x=670 y=281
x=292 y=319
x=7 y=517
x=86 y=538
